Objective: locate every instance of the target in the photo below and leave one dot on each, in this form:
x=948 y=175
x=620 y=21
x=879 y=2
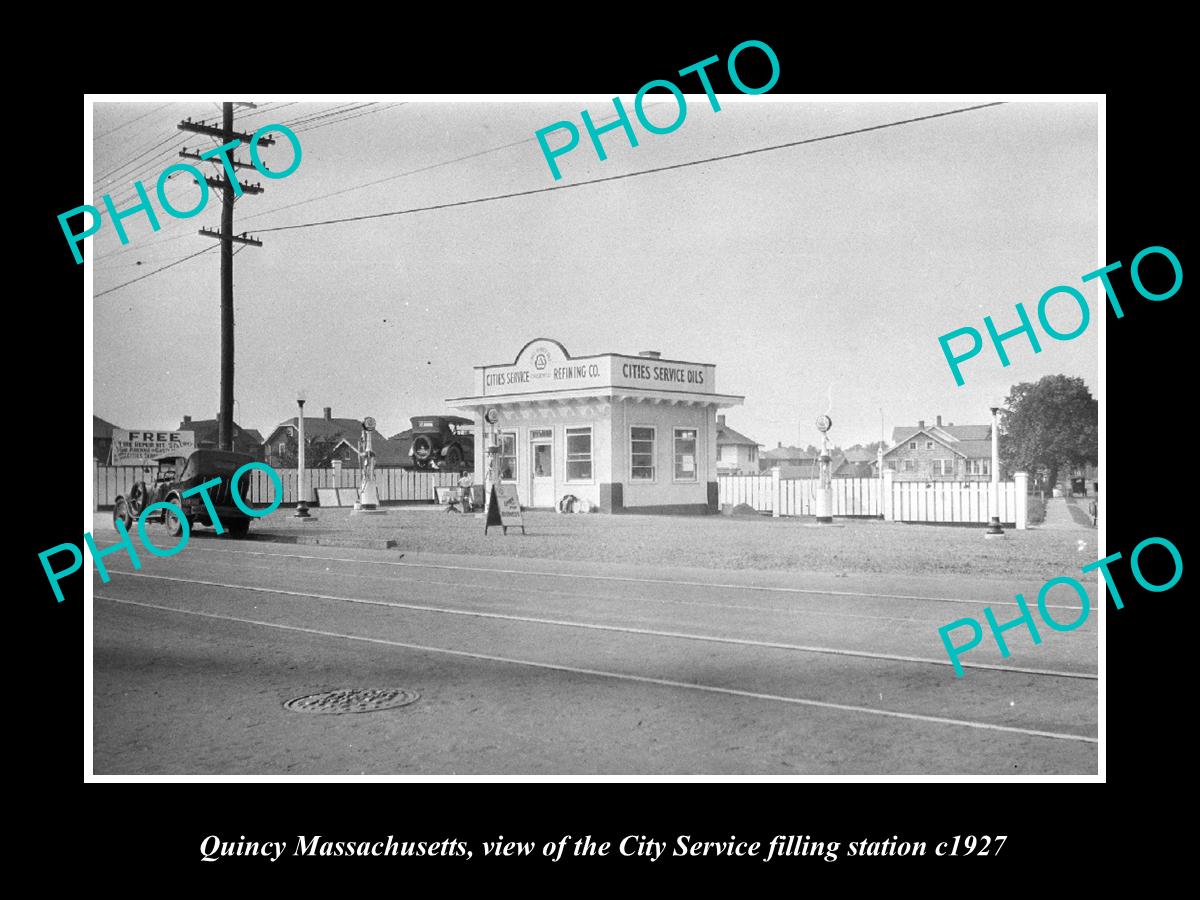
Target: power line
x=171 y=135
x=131 y=121
x=683 y=165
x=367 y=112
x=351 y=109
x=405 y=174
x=156 y=271
x=316 y=114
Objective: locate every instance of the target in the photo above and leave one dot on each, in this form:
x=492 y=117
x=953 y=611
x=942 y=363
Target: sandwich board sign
x=503 y=508
x=145 y=447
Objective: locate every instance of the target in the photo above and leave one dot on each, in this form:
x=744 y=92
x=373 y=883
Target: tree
x=1049 y=425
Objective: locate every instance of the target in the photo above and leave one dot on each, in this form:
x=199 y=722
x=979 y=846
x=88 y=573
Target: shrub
x=1036 y=511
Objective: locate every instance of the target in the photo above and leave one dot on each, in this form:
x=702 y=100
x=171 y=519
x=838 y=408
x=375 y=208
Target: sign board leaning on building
x=144 y=447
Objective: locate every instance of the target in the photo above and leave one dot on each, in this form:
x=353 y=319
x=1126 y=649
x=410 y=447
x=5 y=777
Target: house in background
x=389 y=454
x=855 y=464
x=736 y=453
x=102 y=432
x=940 y=452
x=245 y=440
x=322 y=436
x=784 y=456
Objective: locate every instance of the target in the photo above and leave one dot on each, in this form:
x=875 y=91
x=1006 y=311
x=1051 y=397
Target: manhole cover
x=352 y=701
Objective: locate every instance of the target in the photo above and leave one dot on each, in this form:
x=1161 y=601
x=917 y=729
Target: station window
x=508 y=456
x=641 y=453
x=685 y=454
x=579 y=454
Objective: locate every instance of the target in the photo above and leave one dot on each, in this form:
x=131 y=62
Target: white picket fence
x=900 y=501
x=394 y=484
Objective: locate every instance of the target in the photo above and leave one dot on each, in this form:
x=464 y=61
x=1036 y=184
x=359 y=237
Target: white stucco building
x=627 y=433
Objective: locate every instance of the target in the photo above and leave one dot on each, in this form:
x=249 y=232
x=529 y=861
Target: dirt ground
x=851 y=546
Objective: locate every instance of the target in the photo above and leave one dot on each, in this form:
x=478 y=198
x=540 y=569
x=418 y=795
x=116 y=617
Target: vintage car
x=177 y=474
x=445 y=443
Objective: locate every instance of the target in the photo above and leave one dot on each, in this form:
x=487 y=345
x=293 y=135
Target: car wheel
x=174 y=523
x=121 y=514
x=454 y=457
x=137 y=498
x=239 y=528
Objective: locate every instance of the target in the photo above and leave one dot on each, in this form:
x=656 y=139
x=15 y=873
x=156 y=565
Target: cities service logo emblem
x=540 y=359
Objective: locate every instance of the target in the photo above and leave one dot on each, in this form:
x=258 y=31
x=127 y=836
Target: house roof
x=787 y=453
x=953 y=446
x=859 y=456
x=387 y=452
x=101 y=428
x=951 y=432
x=207 y=430
x=975 y=449
x=727 y=435
x=321 y=428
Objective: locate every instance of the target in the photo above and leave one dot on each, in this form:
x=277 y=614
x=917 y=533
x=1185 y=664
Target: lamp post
x=994 y=529
x=302 y=505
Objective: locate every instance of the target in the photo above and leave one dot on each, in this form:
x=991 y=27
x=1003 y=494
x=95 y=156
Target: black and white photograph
x=696 y=432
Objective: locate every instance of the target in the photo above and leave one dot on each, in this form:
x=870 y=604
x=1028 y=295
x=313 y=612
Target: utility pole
x=226 y=134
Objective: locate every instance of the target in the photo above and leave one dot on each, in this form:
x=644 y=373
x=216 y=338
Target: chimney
x=721 y=421
x=187 y=420
x=939 y=421
x=328 y=413
x=650 y=354
x=780 y=447
x=921 y=423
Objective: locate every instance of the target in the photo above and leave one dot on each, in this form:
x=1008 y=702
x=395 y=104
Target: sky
x=816 y=278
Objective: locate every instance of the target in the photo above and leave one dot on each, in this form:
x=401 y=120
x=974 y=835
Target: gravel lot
x=715 y=542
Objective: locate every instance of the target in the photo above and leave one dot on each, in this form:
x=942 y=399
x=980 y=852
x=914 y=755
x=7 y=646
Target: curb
x=326 y=541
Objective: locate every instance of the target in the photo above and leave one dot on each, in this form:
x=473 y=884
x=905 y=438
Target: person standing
x=465 y=481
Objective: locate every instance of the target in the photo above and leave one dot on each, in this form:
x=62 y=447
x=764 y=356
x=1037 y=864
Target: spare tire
x=422 y=451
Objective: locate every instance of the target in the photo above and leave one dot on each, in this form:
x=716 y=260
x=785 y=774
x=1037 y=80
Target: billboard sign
x=143 y=447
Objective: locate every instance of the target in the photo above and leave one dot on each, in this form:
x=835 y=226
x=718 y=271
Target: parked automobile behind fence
x=444 y=443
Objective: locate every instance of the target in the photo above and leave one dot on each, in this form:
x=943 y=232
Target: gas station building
x=626 y=433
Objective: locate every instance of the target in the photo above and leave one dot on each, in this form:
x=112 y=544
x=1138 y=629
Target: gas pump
x=825 y=484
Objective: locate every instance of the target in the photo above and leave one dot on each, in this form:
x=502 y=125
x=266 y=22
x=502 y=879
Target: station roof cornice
x=517 y=358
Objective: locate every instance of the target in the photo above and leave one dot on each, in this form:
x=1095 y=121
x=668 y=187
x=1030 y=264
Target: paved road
x=537 y=667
